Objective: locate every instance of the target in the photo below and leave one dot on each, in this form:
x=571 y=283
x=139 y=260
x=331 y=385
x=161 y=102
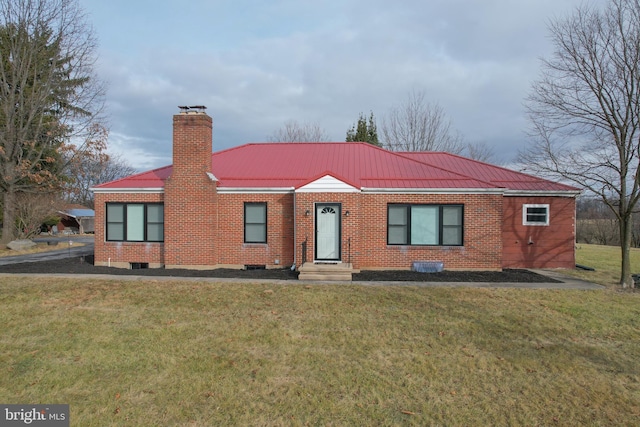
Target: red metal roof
x=146 y=180
x=499 y=176
x=292 y=165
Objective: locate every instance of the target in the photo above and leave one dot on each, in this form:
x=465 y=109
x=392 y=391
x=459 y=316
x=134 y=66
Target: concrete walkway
x=568 y=282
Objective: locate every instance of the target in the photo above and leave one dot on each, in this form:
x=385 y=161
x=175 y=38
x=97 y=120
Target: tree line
x=597 y=225
x=414 y=125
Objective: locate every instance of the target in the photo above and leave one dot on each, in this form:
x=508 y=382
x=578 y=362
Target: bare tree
x=585 y=110
x=89 y=165
x=49 y=94
x=31 y=210
x=293 y=131
x=480 y=151
x=417 y=125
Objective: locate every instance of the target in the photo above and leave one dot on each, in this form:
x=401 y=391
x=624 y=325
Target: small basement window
x=535 y=214
x=138 y=265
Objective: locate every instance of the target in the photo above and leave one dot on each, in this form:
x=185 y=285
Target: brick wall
x=233 y=252
x=366 y=227
x=490 y=242
x=551 y=246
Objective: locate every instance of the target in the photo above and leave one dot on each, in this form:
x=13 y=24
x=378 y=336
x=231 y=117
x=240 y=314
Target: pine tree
x=364 y=131
x=48 y=95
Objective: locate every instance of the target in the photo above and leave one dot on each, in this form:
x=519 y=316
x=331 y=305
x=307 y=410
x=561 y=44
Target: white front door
x=328 y=232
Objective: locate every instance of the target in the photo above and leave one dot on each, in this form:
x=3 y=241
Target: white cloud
x=257 y=64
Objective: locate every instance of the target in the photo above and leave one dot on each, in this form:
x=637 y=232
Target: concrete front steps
x=325 y=271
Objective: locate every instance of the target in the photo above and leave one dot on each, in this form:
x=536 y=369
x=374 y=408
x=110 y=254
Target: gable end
x=327 y=184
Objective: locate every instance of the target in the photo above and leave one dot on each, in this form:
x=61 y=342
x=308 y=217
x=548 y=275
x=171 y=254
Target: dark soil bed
x=85 y=265
x=504 y=276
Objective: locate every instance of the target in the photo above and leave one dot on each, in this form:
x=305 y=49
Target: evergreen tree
x=364 y=131
x=48 y=96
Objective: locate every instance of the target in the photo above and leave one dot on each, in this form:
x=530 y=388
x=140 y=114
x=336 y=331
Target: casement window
x=535 y=214
x=435 y=225
x=135 y=222
x=255 y=222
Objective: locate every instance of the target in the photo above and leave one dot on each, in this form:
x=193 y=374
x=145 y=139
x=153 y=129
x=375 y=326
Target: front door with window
x=327 y=232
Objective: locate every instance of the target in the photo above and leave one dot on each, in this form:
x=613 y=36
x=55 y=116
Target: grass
x=606 y=261
x=202 y=354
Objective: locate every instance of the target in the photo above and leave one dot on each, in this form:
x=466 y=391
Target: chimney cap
x=192 y=109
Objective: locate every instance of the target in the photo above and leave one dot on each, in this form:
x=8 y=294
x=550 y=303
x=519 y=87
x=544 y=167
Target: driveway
x=66 y=245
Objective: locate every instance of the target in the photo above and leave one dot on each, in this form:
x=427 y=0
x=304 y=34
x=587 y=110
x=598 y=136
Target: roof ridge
x=128 y=177
x=226 y=150
x=399 y=154
x=502 y=168
x=295 y=142
x=498 y=167
x=407 y=154
x=265 y=143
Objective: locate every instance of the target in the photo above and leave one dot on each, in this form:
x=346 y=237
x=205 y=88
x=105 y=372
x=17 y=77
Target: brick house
x=350 y=205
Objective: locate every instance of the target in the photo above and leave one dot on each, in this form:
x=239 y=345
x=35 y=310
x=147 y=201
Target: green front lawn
x=607 y=263
x=199 y=354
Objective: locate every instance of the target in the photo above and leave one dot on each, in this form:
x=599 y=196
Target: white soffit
x=327 y=184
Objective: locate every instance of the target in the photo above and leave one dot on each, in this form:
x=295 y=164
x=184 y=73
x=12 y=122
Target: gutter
x=127 y=190
x=433 y=190
x=542 y=193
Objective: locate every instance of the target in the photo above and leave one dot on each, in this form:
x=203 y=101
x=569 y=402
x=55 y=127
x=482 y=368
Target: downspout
x=295 y=229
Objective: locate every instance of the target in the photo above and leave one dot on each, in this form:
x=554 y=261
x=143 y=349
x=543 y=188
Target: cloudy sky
x=256 y=64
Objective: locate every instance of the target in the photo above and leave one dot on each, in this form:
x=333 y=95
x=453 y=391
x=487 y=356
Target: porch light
x=307 y=212
x=346 y=213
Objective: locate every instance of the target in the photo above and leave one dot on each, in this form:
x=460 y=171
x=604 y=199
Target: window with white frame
x=135 y=222
x=436 y=225
x=255 y=222
x=535 y=214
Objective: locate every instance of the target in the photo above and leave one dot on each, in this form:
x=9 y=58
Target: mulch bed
x=504 y=276
x=85 y=265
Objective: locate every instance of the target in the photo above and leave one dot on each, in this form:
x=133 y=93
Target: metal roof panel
x=291 y=165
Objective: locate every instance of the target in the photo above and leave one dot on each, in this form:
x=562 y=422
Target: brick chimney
x=190 y=194
x=192 y=142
